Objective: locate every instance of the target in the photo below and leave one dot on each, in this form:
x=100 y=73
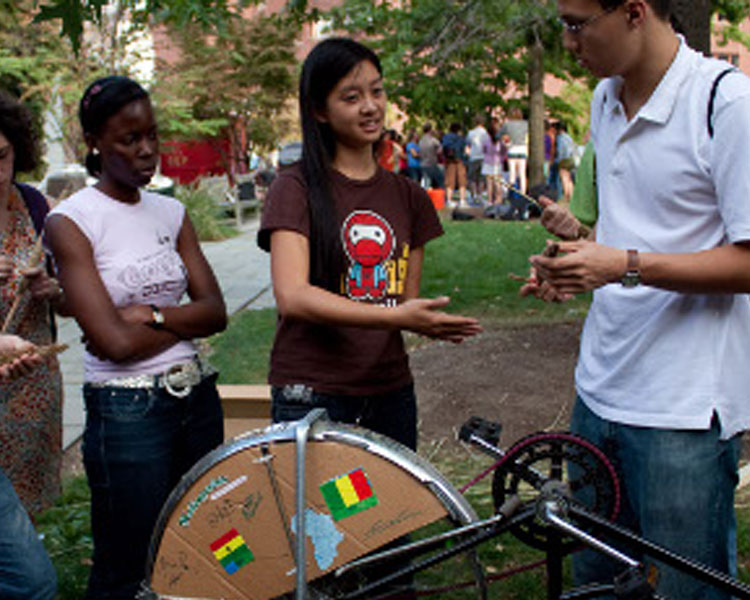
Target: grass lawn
x=471 y=265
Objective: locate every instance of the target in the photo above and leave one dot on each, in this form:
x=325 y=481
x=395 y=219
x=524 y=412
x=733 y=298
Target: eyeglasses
x=576 y=27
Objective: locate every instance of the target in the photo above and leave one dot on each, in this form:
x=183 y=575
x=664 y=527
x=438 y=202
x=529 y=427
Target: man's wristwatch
x=632 y=276
x=157 y=317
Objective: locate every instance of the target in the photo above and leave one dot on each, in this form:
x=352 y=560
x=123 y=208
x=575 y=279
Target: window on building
x=732 y=58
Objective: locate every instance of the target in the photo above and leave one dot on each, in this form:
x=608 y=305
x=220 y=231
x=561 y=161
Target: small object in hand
x=43 y=351
x=551 y=250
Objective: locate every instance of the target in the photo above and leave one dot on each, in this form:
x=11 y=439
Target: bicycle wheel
x=227 y=530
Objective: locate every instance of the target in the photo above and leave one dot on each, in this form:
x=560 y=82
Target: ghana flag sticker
x=231 y=551
x=348 y=494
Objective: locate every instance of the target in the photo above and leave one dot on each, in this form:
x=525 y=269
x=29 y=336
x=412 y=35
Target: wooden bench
x=245 y=407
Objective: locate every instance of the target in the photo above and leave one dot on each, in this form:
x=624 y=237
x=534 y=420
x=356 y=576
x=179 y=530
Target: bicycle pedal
x=480 y=428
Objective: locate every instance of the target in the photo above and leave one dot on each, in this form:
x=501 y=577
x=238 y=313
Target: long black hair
x=102 y=99
x=327 y=64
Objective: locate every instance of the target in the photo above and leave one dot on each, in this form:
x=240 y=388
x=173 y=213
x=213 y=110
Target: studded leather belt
x=178 y=380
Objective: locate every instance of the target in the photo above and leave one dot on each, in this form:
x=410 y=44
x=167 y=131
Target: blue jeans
x=26 y=572
x=136 y=446
x=678 y=492
x=393 y=414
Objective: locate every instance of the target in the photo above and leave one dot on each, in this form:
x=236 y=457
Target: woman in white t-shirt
x=125 y=258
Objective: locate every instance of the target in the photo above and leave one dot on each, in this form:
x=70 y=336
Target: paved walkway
x=243 y=272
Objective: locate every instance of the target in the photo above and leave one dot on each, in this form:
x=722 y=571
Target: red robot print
x=369 y=242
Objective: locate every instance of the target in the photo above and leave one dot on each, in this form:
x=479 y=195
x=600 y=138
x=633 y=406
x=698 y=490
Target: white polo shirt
x=651 y=357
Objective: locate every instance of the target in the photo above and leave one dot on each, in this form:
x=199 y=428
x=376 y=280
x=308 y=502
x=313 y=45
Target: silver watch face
x=631 y=279
x=158 y=317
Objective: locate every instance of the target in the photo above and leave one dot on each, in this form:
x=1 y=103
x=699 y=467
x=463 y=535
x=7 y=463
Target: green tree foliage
x=39 y=67
x=237 y=81
x=449 y=60
x=72 y=14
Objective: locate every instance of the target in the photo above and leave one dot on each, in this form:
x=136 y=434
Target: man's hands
x=580 y=266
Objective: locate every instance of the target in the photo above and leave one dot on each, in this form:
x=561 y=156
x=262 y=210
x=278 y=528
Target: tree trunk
x=536 y=112
x=694 y=17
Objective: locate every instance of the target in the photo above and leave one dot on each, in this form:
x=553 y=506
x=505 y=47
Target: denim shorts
x=393 y=414
x=137 y=444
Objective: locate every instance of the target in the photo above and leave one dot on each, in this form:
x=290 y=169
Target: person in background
x=413 y=167
x=517 y=130
x=429 y=153
x=495 y=154
x=549 y=147
x=30 y=405
x=26 y=572
x=475 y=139
x=454 y=151
x=402 y=164
x=661 y=378
x=125 y=258
x=386 y=150
x=565 y=150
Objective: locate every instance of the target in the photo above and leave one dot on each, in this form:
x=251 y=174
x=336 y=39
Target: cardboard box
x=230 y=536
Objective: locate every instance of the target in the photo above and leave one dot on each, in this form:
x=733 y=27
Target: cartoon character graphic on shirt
x=369 y=242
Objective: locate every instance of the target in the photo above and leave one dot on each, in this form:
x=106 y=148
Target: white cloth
x=476 y=138
x=135 y=251
x=651 y=357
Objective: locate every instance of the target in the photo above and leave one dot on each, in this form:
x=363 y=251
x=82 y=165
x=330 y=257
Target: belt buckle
x=177 y=392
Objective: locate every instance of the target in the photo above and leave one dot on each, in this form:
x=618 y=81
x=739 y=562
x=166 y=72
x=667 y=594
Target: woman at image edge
x=347 y=242
x=125 y=257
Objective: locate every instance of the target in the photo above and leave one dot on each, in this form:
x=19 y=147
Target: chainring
x=582 y=469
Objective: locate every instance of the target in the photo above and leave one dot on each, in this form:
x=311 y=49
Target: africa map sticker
x=231 y=551
x=348 y=494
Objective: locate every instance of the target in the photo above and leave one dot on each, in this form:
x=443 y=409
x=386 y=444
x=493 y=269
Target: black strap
x=712 y=98
x=38 y=208
x=36 y=204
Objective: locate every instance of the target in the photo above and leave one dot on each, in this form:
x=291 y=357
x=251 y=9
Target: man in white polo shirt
x=663 y=377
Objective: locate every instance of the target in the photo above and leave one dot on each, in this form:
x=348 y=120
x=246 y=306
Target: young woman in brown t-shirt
x=347 y=242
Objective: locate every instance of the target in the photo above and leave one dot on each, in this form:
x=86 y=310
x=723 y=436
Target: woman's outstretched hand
x=423 y=316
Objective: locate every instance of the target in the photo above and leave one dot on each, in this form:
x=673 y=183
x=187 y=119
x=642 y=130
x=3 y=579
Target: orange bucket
x=437 y=196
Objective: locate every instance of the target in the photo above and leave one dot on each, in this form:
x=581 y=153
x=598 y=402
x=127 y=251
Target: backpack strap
x=712 y=98
x=38 y=208
x=36 y=204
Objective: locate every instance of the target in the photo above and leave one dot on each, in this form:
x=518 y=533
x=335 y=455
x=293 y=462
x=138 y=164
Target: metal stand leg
x=301 y=432
x=554 y=561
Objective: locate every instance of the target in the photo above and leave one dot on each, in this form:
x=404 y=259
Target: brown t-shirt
x=381 y=219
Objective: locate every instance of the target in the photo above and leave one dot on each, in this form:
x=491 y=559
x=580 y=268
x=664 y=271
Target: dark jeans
x=136 y=446
x=393 y=414
x=678 y=491
x=414 y=173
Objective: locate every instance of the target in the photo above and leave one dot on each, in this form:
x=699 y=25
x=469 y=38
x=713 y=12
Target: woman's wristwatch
x=157 y=317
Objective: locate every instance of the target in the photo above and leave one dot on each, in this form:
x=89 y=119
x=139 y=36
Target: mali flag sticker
x=348 y=494
x=231 y=551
